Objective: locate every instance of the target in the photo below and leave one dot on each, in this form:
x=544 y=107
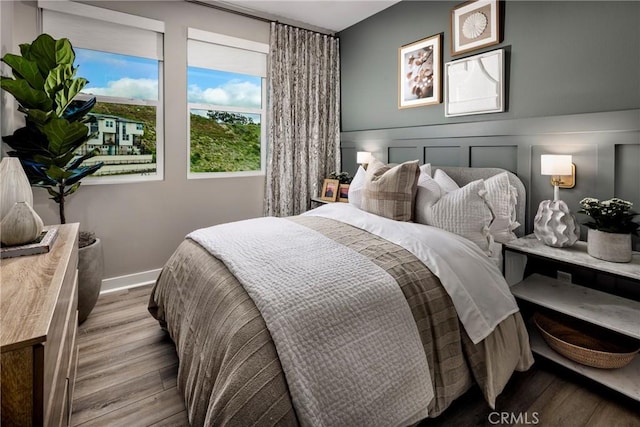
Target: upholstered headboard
x=462 y=176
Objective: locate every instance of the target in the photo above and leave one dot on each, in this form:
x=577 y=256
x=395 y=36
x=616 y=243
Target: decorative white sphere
x=554 y=225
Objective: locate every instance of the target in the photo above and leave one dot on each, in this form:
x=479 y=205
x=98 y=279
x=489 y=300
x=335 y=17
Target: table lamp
x=554 y=225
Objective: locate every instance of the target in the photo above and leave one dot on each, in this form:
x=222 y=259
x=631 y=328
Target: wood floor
x=127 y=377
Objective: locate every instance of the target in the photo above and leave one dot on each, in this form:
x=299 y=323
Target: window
x=121 y=56
x=227 y=105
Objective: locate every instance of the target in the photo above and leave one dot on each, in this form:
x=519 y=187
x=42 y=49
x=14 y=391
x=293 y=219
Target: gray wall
x=566 y=57
x=573 y=84
x=141 y=224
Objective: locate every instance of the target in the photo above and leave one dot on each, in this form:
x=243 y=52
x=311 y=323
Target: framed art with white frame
x=420 y=73
x=475 y=85
x=474 y=24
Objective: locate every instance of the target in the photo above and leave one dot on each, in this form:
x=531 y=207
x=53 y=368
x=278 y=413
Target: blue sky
x=133 y=77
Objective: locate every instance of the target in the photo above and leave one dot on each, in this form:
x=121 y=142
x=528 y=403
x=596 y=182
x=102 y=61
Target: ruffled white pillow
x=463 y=211
x=502 y=198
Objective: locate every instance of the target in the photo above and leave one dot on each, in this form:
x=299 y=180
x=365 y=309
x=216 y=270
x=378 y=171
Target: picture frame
x=330 y=190
x=474 y=24
x=343 y=193
x=475 y=85
x=420 y=73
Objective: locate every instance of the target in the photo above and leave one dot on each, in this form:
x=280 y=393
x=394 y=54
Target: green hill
x=226 y=143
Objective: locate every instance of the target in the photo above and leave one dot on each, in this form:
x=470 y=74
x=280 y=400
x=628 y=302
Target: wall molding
x=128 y=281
x=603 y=146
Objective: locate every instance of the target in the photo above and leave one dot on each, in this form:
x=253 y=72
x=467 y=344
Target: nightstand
x=317 y=201
x=607 y=302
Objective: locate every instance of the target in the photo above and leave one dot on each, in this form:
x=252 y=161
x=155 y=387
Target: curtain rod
x=248 y=15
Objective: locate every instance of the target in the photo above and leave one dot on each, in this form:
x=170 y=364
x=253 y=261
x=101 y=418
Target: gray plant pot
x=90 y=270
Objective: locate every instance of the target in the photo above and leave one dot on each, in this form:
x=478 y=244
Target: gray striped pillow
x=391 y=191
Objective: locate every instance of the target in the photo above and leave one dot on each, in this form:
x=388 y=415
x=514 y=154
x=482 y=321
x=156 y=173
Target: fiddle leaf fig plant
x=44 y=84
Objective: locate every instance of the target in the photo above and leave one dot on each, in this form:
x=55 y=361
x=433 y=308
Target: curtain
x=304 y=117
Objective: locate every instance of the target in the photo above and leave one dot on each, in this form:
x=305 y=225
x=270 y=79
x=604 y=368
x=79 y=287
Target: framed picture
x=343 y=193
x=474 y=24
x=330 y=190
x=475 y=85
x=420 y=73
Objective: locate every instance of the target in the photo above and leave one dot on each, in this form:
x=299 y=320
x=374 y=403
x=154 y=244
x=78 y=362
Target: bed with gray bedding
x=231 y=374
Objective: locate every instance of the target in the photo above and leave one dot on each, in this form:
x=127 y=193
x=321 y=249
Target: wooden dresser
x=39 y=300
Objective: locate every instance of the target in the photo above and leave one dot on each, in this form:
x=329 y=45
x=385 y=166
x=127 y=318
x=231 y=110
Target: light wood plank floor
x=127 y=377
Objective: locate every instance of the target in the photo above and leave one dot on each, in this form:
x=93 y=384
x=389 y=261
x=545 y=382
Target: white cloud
x=127 y=88
x=235 y=93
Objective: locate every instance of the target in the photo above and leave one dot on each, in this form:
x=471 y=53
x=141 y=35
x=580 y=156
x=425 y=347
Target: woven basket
x=581 y=343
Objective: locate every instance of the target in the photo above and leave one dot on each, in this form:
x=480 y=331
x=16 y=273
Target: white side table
x=594 y=306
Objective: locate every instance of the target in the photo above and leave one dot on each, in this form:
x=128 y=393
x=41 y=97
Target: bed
x=254 y=351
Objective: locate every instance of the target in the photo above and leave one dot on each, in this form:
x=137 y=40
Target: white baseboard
x=129 y=281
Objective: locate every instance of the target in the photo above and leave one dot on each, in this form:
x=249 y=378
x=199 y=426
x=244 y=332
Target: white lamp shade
x=555 y=164
x=363 y=157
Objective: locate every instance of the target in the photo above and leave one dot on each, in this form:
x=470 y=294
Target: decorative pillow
x=426 y=168
x=445 y=181
x=357 y=187
x=502 y=199
x=428 y=193
x=464 y=211
x=391 y=191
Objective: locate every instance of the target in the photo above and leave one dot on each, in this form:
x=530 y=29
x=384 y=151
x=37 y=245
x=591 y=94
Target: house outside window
x=227 y=105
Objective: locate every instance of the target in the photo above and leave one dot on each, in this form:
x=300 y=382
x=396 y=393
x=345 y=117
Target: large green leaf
x=64 y=52
x=82 y=172
x=64 y=136
x=58 y=77
x=25 y=50
x=24 y=69
x=43 y=52
x=78 y=109
x=38 y=117
x=27 y=96
x=29 y=141
x=77 y=162
x=65 y=96
x=58 y=173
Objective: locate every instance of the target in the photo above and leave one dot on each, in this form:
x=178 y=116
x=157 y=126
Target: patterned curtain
x=304 y=117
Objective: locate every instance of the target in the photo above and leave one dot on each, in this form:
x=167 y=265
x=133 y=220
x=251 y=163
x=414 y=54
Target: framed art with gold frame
x=330 y=190
x=343 y=193
x=474 y=24
x=420 y=73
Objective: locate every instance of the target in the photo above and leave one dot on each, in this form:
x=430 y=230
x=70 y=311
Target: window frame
x=136 y=23
x=233 y=42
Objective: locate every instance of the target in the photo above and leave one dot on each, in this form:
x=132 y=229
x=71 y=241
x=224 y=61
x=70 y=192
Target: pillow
x=501 y=197
x=426 y=168
x=356 y=187
x=391 y=191
x=445 y=181
x=463 y=211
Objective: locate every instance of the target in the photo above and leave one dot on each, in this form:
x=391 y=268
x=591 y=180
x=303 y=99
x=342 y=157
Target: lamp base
x=554 y=225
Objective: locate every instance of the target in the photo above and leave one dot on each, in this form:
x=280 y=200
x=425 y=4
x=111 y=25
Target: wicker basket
x=583 y=344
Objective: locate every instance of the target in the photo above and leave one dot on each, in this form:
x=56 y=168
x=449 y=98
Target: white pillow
x=445 y=181
x=426 y=168
x=463 y=211
x=502 y=198
x=357 y=187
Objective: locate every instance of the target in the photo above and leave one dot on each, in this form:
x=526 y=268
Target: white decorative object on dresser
x=603 y=309
x=39 y=297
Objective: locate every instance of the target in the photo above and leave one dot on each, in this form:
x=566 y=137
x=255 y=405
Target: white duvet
x=479 y=293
